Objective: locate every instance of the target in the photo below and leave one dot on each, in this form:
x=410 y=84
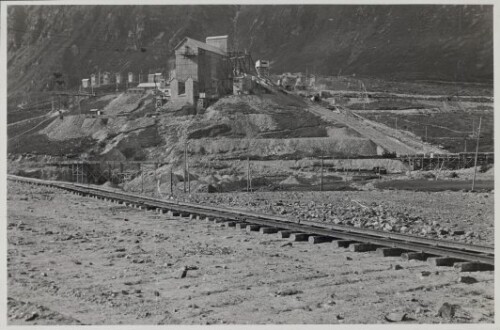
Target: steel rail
x=254 y=215
x=469 y=252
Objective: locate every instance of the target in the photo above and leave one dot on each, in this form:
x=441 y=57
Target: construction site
x=396 y=179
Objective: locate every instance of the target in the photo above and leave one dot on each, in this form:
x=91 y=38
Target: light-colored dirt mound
x=290 y=181
x=125 y=103
x=72 y=127
x=306 y=147
x=98 y=128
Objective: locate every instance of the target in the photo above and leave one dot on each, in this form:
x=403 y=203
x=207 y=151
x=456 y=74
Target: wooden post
x=171 y=182
x=121 y=171
x=142 y=177
x=321 y=177
x=189 y=176
x=185 y=168
x=248 y=173
x=475 y=158
x=109 y=172
x=158 y=179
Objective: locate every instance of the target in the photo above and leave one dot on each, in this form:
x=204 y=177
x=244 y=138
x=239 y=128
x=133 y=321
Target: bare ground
x=77 y=260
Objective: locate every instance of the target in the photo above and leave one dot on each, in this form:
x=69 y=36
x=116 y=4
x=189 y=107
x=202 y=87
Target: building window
x=182 y=88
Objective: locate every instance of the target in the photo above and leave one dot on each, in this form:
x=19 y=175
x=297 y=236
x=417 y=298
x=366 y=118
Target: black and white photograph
x=244 y=164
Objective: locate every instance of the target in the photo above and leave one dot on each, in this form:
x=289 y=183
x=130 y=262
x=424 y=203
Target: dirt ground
x=74 y=260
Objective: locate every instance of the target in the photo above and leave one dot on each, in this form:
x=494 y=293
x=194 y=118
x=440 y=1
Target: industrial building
x=200 y=73
x=201 y=68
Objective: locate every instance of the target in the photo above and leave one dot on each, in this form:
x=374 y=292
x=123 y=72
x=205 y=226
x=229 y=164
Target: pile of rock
x=373 y=216
x=386 y=216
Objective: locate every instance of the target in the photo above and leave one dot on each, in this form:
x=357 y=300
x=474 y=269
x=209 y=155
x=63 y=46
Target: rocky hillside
x=53 y=47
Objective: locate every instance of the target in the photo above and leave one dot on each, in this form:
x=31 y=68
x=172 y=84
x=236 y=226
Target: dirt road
x=74 y=260
x=385 y=137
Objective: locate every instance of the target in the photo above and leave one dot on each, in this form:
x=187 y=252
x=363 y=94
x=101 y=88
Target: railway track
x=440 y=252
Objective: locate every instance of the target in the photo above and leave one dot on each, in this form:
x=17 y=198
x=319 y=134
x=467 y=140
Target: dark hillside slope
x=404 y=42
x=409 y=42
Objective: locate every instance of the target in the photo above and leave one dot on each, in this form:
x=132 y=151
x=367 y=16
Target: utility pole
x=189 y=176
x=475 y=158
x=321 y=181
x=142 y=178
x=185 y=165
x=171 y=182
x=248 y=173
x=465 y=144
x=425 y=133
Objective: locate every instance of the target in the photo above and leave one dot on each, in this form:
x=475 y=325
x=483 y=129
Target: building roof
x=217 y=37
x=199 y=44
x=148 y=85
